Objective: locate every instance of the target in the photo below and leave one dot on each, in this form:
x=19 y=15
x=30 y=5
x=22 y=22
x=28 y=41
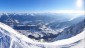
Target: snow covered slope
x=9 y=38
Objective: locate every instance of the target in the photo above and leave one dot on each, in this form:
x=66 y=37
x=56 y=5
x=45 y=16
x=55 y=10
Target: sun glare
x=79 y=4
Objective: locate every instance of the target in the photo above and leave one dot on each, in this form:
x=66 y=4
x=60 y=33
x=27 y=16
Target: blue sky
x=36 y=5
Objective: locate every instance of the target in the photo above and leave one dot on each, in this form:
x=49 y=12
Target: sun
x=79 y=4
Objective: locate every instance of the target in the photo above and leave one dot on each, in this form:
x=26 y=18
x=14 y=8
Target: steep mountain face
x=71 y=31
x=58 y=25
x=4 y=39
x=9 y=38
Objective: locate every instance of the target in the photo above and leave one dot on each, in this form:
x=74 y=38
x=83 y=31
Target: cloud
x=80 y=12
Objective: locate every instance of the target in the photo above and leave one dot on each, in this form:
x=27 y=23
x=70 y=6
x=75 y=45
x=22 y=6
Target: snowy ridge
x=23 y=41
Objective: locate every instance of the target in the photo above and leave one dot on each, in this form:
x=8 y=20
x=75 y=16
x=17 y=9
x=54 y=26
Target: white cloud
x=69 y=11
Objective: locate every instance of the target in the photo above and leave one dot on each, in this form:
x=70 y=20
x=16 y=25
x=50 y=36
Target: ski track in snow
x=14 y=35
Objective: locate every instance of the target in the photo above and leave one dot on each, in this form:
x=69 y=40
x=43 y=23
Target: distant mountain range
x=49 y=27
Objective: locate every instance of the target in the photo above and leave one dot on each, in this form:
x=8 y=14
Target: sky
x=41 y=5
